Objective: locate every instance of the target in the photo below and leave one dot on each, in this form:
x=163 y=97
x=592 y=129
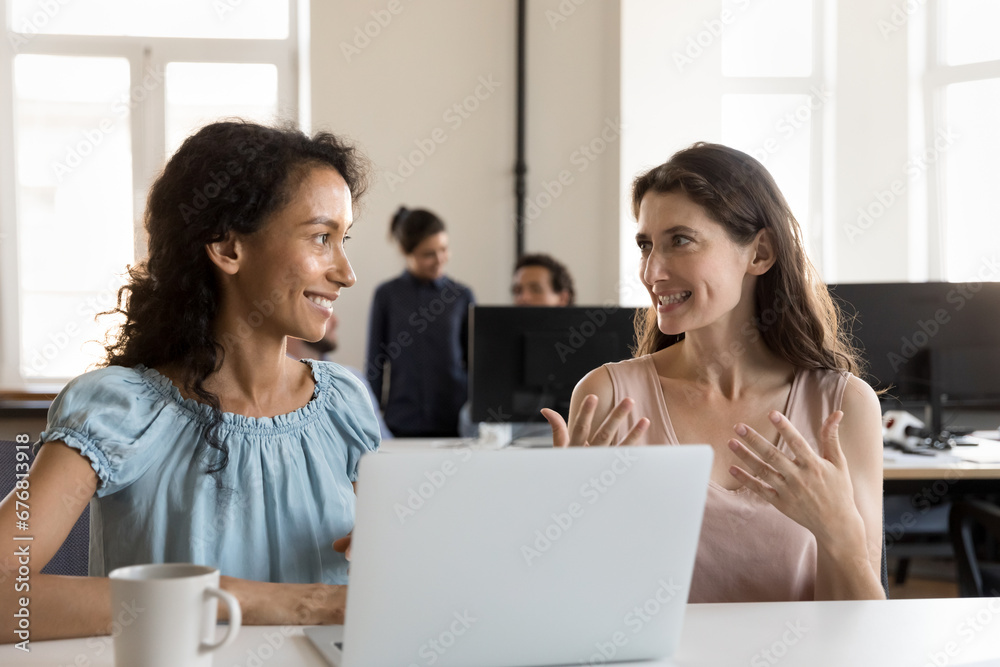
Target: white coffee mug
x=165 y=615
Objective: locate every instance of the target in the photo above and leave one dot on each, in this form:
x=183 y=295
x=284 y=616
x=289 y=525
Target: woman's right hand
x=583 y=434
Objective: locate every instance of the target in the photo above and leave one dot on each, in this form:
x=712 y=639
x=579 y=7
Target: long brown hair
x=794 y=313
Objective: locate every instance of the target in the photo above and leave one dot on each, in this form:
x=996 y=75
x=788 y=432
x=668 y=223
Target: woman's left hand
x=813 y=489
x=343 y=545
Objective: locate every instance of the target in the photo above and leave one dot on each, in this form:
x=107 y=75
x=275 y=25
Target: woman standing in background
x=419 y=329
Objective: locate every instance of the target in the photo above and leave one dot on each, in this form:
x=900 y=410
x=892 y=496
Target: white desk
x=903 y=633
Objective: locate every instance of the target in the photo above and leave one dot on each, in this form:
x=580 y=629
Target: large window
x=963 y=96
x=878 y=121
x=100 y=93
x=749 y=75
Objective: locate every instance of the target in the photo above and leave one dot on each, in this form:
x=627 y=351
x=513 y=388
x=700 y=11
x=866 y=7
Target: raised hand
x=583 y=435
x=813 y=489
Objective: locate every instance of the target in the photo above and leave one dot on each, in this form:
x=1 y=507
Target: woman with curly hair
x=742 y=349
x=200 y=440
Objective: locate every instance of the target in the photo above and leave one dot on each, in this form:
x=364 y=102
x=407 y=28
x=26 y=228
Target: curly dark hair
x=561 y=279
x=795 y=315
x=229 y=177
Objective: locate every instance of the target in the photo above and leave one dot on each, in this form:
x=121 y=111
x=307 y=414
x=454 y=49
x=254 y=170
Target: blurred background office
x=877 y=118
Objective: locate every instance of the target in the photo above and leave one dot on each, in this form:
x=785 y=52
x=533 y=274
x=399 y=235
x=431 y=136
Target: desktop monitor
x=523 y=359
x=930 y=344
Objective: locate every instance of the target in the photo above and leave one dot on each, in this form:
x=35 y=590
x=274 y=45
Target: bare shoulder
x=861 y=427
x=597 y=382
x=860 y=400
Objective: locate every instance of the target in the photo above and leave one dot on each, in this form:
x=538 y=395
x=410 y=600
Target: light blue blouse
x=285 y=495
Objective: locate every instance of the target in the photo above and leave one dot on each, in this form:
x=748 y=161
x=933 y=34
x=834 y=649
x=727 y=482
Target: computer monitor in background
x=523 y=359
x=933 y=345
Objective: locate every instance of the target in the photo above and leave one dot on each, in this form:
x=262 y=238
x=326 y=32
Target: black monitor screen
x=524 y=359
x=928 y=341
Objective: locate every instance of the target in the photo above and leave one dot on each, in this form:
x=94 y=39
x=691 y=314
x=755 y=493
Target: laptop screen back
x=478 y=558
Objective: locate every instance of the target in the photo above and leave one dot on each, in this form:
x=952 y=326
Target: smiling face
x=695 y=274
x=296 y=264
x=428 y=259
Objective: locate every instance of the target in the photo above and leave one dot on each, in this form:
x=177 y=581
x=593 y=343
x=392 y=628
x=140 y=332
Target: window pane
x=969 y=31
x=775 y=129
x=74 y=204
x=969 y=148
x=199 y=93
x=236 y=19
x=766 y=38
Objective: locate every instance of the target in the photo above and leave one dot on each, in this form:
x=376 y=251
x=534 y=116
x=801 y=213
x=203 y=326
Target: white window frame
x=937 y=77
x=148 y=133
x=704 y=94
x=820 y=136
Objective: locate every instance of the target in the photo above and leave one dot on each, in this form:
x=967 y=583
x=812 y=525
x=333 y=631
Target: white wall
x=871 y=125
x=397 y=88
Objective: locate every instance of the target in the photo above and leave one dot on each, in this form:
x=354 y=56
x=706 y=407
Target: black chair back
x=73 y=556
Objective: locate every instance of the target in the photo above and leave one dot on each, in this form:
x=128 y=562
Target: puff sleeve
x=114 y=420
x=353 y=407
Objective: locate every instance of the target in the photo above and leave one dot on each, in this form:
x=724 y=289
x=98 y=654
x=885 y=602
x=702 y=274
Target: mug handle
x=235 y=619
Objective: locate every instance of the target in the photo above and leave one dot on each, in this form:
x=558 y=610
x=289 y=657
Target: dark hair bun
x=409 y=227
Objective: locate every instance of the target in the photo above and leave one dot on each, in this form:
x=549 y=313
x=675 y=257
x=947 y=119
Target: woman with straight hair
x=742 y=348
x=200 y=440
x=419 y=328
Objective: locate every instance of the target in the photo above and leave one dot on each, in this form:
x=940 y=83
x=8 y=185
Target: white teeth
x=326 y=303
x=674 y=298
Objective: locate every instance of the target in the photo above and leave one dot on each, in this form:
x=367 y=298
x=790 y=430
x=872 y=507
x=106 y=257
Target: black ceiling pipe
x=520 y=166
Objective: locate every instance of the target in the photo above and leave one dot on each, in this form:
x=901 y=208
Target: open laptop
x=526 y=557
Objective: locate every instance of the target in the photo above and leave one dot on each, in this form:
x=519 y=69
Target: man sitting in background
x=540 y=280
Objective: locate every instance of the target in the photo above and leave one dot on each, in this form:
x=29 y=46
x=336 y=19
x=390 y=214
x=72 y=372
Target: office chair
x=975 y=578
x=914 y=532
x=73 y=557
x=885 y=561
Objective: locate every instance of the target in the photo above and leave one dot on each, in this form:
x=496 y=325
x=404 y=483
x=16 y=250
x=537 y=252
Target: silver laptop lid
x=478 y=559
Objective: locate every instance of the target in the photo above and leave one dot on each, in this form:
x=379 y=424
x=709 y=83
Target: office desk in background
x=894 y=633
x=902 y=474
x=945 y=474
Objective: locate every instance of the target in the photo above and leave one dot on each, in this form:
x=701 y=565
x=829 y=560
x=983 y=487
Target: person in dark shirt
x=417 y=357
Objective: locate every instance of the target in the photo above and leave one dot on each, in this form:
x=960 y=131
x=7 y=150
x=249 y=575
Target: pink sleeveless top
x=748 y=551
